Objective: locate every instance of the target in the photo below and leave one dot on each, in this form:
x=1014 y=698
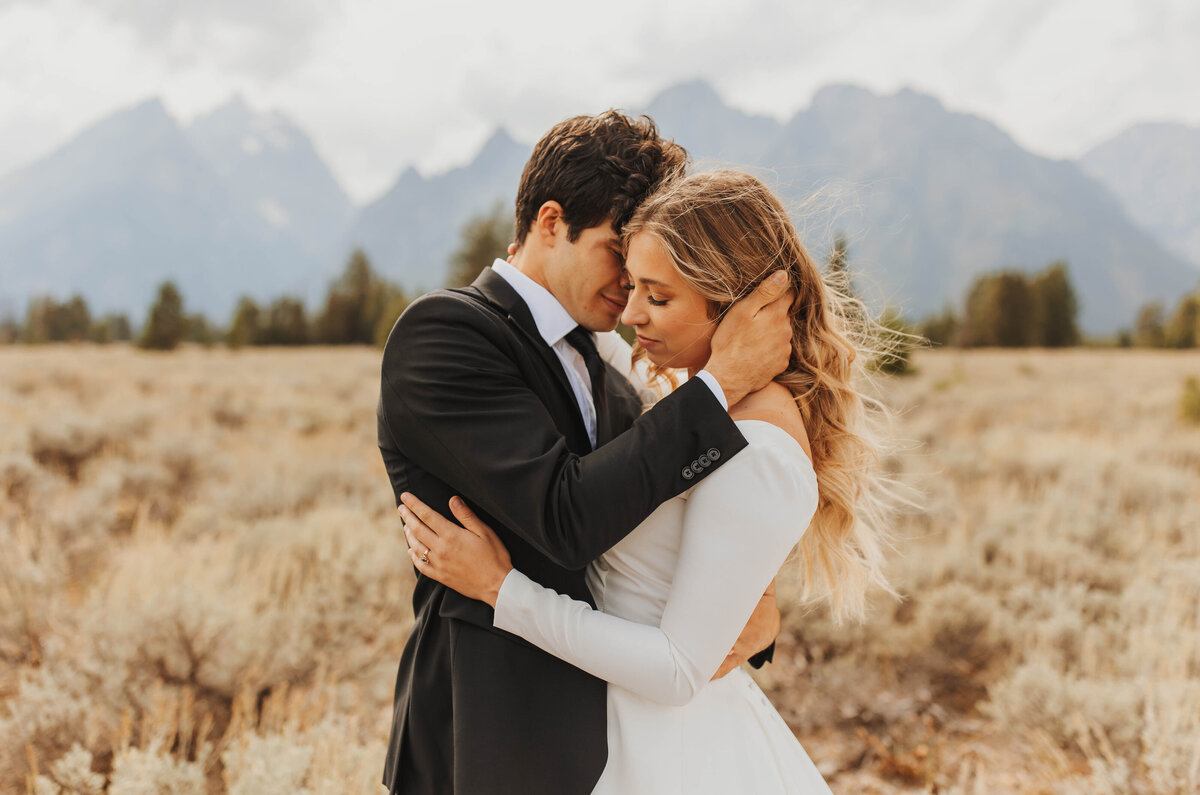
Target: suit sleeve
x=739 y=526
x=453 y=398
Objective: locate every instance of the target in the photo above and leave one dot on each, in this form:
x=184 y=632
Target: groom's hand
x=753 y=342
x=760 y=632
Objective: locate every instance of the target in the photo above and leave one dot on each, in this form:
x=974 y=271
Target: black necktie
x=583 y=341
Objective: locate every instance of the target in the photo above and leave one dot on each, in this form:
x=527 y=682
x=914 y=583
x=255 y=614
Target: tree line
x=1009 y=308
x=360 y=307
x=1014 y=309
x=1156 y=328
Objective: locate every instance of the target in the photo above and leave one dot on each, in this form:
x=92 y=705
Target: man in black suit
x=495 y=392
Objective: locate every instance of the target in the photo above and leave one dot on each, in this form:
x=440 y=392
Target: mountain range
x=1154 y=171
x=240 y=202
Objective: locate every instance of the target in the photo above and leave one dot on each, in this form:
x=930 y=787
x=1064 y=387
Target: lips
x=619 y=306
x=645 y=342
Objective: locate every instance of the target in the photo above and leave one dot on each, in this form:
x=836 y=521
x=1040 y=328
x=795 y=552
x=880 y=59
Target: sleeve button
x=687 y=473
x=714 y=454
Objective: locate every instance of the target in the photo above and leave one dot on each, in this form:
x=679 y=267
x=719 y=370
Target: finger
x=413 y=544
x=409 y=514
x=467 y=517
x=771 y=289
x=782 y=304
x=420 y=511
x=424 y=566
x=415 y=528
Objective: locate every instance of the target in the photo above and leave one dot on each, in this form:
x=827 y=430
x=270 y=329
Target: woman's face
x=670 y=318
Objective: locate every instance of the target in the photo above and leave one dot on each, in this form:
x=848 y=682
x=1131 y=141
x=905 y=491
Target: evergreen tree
x=49 y=321
x=483 y=238
x=1148 y=331
x=166 y=325
x=286 y=324
x=246 y=328
x=355 y=304
x=396 y=305
x=1183 y=329
x=10 y=329
x=1056 y=308
x=111 y=328
x=40 y=320
x=837 y=267
x=1000 y=311
x=199 y=330
x=941 y=329
x=838 y=276
x=75 y=320
x=896 y=359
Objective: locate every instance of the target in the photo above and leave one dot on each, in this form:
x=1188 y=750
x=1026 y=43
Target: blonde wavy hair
x=726 y=232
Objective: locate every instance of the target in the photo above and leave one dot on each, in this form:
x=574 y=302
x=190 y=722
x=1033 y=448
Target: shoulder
x=776 y=405
x=770 y=487
x=439 y=310
x=447 y=303
x=448 y=328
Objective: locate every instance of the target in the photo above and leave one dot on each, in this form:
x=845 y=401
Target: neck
x=530 y=266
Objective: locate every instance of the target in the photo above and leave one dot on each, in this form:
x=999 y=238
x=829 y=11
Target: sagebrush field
x=204 y=586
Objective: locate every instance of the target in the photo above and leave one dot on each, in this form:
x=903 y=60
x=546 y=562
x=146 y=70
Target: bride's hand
x=759 y=633
x=470 y=559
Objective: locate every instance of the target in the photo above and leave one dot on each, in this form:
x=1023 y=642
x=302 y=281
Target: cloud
x=382 y=84
x=265 y=40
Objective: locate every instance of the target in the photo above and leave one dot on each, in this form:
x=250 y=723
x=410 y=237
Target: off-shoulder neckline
x=791 y=439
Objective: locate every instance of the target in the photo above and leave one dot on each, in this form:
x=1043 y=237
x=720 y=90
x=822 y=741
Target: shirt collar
x=552 y=321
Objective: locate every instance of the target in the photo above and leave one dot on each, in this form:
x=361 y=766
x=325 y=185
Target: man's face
x=585 y=277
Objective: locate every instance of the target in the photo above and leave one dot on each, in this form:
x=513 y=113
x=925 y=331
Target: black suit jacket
x=474 y=403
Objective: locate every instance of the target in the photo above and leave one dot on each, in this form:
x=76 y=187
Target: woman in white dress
x=674 y=595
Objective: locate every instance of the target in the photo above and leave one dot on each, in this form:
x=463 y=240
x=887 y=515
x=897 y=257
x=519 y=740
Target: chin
x=658 y=361
x=602 y=324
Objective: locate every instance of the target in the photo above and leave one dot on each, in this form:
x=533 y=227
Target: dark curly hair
x=597 y=167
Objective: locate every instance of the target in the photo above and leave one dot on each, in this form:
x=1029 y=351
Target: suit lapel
x=624 y=405
x=500 y=294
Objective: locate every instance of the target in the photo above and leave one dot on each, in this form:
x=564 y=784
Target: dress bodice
x=633 y=579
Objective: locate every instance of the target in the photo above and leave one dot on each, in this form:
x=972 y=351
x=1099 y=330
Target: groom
x=495 y=392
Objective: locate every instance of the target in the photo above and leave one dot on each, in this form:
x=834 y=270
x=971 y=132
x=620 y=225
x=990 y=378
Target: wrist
x=491 y=594
x=733 y=389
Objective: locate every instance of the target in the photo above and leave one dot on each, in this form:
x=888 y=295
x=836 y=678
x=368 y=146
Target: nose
x=633 y=315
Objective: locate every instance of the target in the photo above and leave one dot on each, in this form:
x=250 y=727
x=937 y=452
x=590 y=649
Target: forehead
x=648 y=258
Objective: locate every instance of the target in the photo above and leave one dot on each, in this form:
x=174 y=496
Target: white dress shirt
x=554 y=323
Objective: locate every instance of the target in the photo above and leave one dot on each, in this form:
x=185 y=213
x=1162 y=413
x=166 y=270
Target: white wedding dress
x=673 y=596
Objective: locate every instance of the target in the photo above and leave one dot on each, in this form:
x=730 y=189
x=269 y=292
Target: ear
x=549 y=223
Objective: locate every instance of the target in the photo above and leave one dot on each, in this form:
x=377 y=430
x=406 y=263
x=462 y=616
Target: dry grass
x=203 y=586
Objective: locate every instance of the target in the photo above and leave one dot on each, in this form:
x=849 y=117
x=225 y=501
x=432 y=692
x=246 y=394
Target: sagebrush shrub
x=1189 y=403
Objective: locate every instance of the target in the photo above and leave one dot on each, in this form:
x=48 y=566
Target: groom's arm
x=454 y=400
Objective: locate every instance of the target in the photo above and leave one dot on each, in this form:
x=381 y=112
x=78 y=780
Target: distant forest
x=1008 y=309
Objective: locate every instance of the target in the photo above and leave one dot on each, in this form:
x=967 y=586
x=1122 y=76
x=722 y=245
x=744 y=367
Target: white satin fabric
x=673 y=596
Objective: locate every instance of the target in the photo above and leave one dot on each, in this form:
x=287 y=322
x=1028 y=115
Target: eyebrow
x=654 y=283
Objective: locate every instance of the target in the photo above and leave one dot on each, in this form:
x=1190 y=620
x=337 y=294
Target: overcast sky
x=381 y=84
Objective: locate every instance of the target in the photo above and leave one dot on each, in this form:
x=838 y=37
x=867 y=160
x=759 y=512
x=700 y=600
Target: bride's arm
x=740 y=524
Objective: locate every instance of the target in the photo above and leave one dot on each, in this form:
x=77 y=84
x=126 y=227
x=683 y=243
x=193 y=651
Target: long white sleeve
x=739 y=525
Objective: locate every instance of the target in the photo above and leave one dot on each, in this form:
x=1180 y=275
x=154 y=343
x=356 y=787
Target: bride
x=674 y=595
